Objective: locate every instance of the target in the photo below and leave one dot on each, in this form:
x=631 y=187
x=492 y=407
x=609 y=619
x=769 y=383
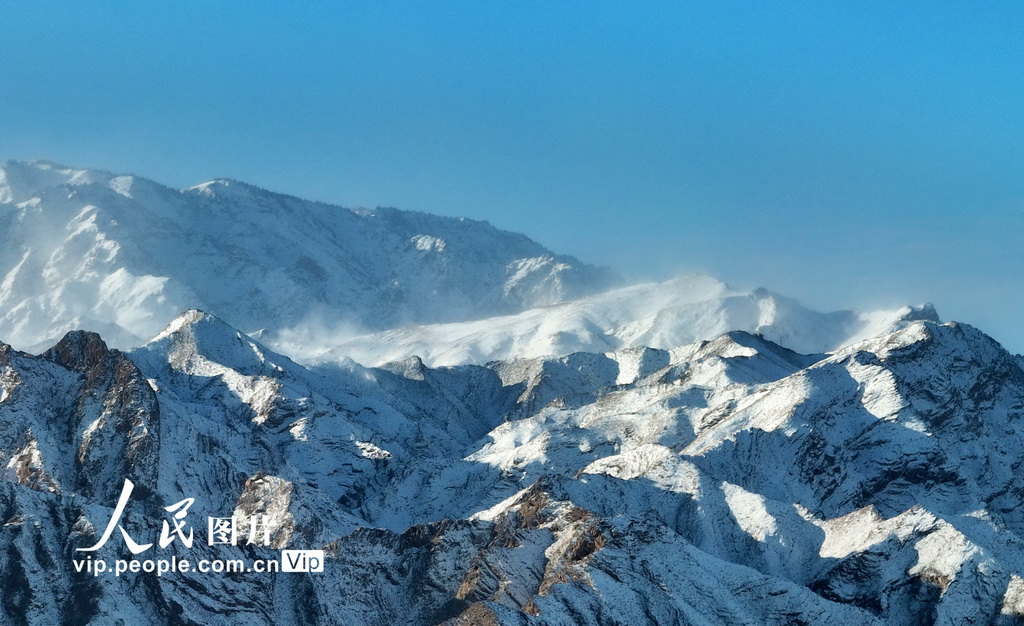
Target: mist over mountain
x=473 y=429
x=654 y=315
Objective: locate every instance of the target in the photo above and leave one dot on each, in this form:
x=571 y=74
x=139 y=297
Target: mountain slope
x=122 y=254
x=720 y=482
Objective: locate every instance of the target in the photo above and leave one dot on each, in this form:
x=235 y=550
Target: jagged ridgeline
x=722 y=482
x=534 y=444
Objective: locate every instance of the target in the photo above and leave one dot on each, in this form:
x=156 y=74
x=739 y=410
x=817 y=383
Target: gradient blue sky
x=848 y=154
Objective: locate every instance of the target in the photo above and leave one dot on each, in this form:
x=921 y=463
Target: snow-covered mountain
x=655 y=315
x=669 y=453
x=722 y=482
x=121 y=255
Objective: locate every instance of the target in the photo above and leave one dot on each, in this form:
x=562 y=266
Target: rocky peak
x=79 y=350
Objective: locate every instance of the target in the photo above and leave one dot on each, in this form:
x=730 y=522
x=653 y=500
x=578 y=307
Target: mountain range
x=517 y=439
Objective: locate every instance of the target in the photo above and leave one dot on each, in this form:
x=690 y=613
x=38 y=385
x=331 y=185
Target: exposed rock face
x=87 y=420
x=263 y=508
x=723 y=482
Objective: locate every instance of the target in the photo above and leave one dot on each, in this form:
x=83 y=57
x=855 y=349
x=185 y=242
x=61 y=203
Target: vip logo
x=302 y=561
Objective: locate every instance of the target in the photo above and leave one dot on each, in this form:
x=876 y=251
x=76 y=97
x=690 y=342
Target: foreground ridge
x=723 y=481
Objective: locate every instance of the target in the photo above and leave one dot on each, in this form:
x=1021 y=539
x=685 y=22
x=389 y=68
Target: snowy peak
x=924 y=313
x=231 y=192
x=928 y=394
x=83 y=248
x=887 y=465
x=37 y=181
x=669 y=452
x=196 y=342
x=94 y=250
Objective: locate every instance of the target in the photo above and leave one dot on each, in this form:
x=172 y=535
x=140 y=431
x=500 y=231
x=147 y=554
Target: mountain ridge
x=727 y=480
x=85 y=248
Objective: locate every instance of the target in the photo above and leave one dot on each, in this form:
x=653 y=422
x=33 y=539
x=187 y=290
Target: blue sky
x=847 y=154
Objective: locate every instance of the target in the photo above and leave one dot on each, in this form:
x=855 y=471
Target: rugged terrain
x=474 y=430
x=729 y=481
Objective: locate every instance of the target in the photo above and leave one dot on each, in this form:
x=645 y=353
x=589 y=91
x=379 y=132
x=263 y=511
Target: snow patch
x=427 y=243
x=750 y=512
x=122 y=185
x=370 y=451
x=863 y=528
x=632 y=464
x=1013 y=599
x=941 y=554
